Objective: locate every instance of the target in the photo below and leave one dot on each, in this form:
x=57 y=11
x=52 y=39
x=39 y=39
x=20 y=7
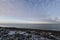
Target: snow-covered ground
x=8 y=34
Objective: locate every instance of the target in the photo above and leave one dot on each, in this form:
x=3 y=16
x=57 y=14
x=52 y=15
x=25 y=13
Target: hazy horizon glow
x=29 y=11
x=10 y=20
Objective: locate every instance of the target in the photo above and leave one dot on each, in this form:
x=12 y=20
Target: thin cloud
x=31 y=10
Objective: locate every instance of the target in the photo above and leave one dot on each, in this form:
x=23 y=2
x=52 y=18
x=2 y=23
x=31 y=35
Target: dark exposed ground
x=28 y=34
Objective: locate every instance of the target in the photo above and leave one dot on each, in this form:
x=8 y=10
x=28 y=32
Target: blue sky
x=30 y=10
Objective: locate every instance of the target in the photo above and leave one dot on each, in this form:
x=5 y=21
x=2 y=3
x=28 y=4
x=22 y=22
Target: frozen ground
x=8 y=34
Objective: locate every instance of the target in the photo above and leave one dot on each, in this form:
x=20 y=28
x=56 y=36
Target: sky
x=29 y=11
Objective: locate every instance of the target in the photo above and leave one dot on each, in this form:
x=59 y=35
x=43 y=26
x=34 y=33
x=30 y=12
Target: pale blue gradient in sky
x=31 y=10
